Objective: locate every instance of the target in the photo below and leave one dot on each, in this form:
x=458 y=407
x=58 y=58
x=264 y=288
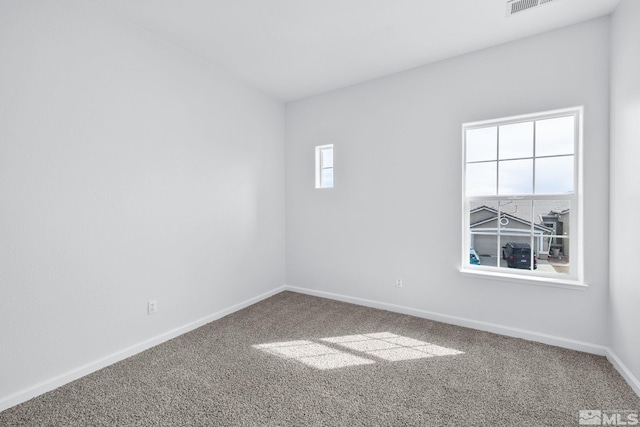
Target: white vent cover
x=515 y=6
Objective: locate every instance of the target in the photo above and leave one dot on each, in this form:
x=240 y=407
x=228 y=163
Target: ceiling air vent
x=515 y=6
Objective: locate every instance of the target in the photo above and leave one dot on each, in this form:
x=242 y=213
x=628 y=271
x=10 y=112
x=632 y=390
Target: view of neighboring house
x=559 y=222
x=545 y=232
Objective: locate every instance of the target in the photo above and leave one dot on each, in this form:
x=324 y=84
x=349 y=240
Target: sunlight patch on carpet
x=391 y=347
x=383 y=345
x=312 y=354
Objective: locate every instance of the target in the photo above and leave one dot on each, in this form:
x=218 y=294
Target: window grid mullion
x=532 y=236
x=498 y=162
x=534 y=156
x=536 y=241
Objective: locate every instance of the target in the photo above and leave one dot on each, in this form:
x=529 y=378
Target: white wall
x=129 y=171
x=625 y=185
x=395 y=210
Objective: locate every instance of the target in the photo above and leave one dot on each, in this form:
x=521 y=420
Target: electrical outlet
x=152 y=307
x=399 y=283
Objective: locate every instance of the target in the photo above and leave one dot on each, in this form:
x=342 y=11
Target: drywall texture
x=396 y=211
x=625 y=184
x=129 y=171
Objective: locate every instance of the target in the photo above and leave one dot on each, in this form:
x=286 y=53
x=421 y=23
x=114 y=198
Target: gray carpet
x=214 y=376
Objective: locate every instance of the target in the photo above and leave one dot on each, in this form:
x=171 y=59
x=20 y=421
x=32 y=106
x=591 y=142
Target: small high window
x=324 y=166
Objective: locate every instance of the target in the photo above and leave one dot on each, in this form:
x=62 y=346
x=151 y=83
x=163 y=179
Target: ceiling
x=292 y=49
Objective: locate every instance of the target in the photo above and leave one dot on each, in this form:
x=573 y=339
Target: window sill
x=527 y=280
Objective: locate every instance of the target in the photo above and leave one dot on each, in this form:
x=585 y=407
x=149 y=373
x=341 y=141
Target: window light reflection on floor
x=383 y=345
x=315 y=355
x=391 y=347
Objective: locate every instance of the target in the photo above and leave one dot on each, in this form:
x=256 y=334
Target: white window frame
x=575 y=278
x=320 y=165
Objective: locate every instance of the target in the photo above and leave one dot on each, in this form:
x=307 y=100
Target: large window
x=324 y=166
x=521 y=196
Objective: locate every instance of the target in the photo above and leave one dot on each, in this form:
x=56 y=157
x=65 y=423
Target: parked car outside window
x=518 y=255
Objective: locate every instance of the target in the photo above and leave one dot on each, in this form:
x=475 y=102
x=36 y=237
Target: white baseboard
x=60 y=380
x=631 y=379
x=461 y=321
x=488 y=327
